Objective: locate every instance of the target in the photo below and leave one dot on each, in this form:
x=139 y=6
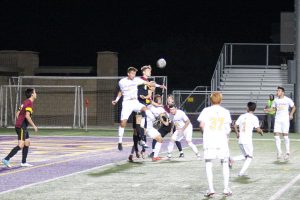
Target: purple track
x=54 y=157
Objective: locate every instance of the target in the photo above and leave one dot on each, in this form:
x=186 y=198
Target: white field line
x=285 y=188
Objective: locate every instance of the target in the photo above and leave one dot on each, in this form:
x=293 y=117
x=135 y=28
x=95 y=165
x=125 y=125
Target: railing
x=192 y=100
x=249 y=54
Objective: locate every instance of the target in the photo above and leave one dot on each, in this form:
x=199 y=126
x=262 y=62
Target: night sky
x=188 y=34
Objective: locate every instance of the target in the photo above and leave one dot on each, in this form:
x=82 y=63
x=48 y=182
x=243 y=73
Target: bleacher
x=241 y=84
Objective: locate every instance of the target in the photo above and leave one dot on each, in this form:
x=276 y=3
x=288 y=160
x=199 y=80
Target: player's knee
x=123 y=123
x=21 y=145
x=158 y=139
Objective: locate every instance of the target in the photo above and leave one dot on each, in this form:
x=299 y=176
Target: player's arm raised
x=28 y=118
x=114 y=102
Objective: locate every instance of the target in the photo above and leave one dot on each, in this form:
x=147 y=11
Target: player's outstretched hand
x=35 y=128
x=114 y=102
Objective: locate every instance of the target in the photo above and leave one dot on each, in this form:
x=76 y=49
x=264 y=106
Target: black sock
x=24 y=154
x=135 y=143
x=140 y=132
x=178 y=144
x=153 y=143
x=13 y=152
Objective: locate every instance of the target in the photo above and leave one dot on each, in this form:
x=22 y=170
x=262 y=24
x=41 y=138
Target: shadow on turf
x=214 y=197
x=243 y=180
x=278 y=162
x=116 y=169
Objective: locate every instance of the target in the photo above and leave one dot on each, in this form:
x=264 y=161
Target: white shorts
x=129 y=106
x=247 y=149
x=216 y=153
x=281 y=126
x=187 y=133
x=152 y=132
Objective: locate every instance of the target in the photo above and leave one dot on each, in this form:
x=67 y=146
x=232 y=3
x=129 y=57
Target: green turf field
x=178 y=178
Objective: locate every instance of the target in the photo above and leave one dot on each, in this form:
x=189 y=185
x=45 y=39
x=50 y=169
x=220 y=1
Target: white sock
x=278 y=144
x=246 y=165
x=237 y=158
x=157 y=149
x=170 y=147
x=287 y=144
x=194 y=148
x=121 y=133
x=226 y=174
x=209 y=174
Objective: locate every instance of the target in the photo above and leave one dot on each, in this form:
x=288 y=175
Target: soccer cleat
x=151 y=155
x=198 y=156
x=230 y=163
x=130 y=158
x=287 y=157
x=143 y=144
x=181 y=155
x=6 y=163
x=279 y=156
x=209 y=194
x=120 y=147
x=169 y=155
x=137 y=154
x=243 y=175
x=26 y=165
x=156 y=159
x=227 y=192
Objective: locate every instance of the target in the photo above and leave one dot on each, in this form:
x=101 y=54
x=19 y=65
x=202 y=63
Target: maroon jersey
x=167 y=109
x=21 y=121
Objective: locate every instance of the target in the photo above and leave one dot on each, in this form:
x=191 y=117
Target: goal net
x=57 y=106
x=96 y=93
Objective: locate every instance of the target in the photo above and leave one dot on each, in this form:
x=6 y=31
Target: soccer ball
x=161 y=63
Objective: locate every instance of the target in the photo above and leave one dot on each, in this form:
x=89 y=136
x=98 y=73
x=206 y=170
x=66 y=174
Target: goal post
x=57 y=106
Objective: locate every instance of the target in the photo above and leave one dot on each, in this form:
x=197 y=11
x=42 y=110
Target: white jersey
x=246 y=123
x=129 y=87
x=156 y=110
x=179 y=119
x=216 y=121
x=282 y=108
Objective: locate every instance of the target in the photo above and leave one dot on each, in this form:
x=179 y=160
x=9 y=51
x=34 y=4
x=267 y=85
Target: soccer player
x=166 y=126
x=246 y=122
x=145 y=97
x=128 y=88
x=282 y=104
x=23 y=119
x=184 y=129
x=215 y=123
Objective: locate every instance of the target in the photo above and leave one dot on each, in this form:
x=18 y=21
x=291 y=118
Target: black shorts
x=163 y=132
x=22 y=133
